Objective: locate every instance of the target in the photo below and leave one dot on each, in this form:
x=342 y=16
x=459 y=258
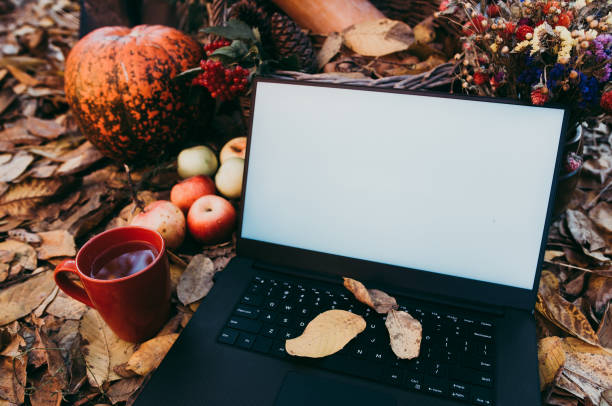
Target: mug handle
x=67 y=285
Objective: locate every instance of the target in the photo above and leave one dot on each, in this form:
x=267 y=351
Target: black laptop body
x=479 y=338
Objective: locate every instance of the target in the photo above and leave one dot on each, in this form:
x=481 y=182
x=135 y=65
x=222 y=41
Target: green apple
x=229 y=178
x=199 y=160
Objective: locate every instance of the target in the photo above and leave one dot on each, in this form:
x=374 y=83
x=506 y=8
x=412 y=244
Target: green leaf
x=233 y=52
x=234 y=29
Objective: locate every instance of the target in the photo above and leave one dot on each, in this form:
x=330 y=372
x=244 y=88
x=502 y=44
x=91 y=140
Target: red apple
x=234 y=148
x=184 y=193
x=165 y=218
x=211 y=219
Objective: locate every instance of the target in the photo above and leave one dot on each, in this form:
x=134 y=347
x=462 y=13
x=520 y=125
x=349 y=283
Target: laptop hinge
x=426 y=297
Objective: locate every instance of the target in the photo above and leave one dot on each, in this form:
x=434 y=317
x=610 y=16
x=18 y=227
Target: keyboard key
x=286 y=308
x=394 y=376
x=228 y=336
x=278 y=349
x=482 y=397
x=254 y=300
x=245 y=340
x=303 y=311
x=359 y=352
x=469 y=375
x=437 y=369
x=262 y=344
x=377 y=355
x=435 y=386
x=247 y=311
x=483 y=336
x=284 y=320
x=271 y=304
x=300 y=325
x=240 y=323
x=464 y=396
x=270 y=331
x=414 y=382
x=286 y=333
x=458 y=387
x=268 y=317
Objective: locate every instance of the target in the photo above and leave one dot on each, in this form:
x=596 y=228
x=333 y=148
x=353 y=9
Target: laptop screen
x=453 y=186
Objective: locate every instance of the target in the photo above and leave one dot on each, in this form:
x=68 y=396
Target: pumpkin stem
x=139 y=203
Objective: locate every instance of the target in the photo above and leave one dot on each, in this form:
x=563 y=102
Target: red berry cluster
x=573 y=161
x=606 y=101
x=213 y=46
x=222 y=83
x=539 y=96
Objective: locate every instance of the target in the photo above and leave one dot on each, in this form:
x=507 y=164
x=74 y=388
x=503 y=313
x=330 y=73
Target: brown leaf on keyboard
x=376 y=299
x=405 y=333
x=197 y=280
x=326 y=334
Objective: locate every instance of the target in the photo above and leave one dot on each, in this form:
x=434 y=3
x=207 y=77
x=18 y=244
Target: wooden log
x=327 y=16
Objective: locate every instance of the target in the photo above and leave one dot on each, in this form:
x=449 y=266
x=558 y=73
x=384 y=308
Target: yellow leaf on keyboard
x=376 y=299
x=326 y=334
x=405 y=333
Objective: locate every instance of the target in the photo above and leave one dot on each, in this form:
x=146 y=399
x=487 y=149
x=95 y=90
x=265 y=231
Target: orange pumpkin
x=118 y=82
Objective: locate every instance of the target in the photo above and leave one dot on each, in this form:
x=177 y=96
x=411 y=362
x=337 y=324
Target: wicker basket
x=408 y=10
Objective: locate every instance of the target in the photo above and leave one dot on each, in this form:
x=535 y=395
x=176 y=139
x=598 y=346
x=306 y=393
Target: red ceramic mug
x=135 y=307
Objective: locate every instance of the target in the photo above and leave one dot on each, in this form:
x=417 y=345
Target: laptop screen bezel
x=422 y=281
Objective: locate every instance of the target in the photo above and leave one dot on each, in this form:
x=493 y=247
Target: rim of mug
x=91 y=240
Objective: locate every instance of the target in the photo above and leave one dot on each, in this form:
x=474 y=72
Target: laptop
x=442 y=201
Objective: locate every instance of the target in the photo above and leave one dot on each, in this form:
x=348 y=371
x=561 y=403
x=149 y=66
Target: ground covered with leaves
x=56 y=190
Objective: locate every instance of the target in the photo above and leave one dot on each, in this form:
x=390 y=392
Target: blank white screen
x=457 y=187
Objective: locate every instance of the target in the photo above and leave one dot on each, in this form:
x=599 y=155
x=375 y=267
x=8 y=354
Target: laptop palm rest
x=299 y=389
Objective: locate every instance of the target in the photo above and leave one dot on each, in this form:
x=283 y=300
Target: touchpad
x=304 y=389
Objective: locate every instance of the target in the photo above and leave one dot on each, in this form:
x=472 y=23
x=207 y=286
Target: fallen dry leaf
x=561 y=312
x=583 y=231
x=19 y=300
x=150 y=354
x=56 y=243
x=587 y=366
x=405 y=333
x=18 y=135
x=48 y=390
x=11 y=170
x=599 y=292
x=122 y=390
x=326 y=334
x=424 y=32
x=376 y=299
x=551 y=357
x=606 y=398
x=601 y=215
x=52 y=356
x=38 y=312
x=102 y=349
x=331 y=47
x=79 y=159
x=22 y=254
x=65 y=307
x=23 y=235
x=197 y=280
x=605 y=328
x=22 y=198
x=21 y=76
x=48 y=129
x=13 y=379
x=378 y=37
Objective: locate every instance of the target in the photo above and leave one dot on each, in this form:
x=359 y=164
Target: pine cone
x=250 y=12
x=289 y=39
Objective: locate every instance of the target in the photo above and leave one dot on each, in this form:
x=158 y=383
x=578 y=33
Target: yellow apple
x=229 y=178
x=198 y=160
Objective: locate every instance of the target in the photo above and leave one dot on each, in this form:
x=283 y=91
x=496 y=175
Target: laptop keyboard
x=456 y=360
